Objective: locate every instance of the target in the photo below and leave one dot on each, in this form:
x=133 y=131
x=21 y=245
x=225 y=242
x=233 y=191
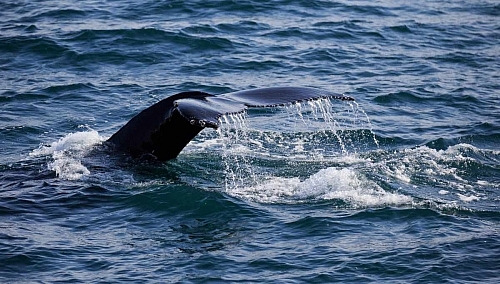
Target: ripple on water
x=408 y=192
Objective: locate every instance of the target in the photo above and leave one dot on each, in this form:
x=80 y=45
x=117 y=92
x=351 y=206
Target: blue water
x=401 y=186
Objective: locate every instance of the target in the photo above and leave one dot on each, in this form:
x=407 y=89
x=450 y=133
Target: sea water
x=401 y=185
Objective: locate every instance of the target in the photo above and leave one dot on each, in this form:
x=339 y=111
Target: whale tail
x=165 y=128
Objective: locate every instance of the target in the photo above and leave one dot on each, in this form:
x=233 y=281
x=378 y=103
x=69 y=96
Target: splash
x=67 y=153
x=310 y=132
x=345 y=185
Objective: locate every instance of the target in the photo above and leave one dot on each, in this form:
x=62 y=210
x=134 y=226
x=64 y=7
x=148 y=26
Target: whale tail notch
x=165 y=128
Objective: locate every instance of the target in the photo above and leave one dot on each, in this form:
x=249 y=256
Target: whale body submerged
x=165 y=128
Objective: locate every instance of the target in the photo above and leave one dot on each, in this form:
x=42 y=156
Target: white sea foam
x=67 y=153
x=327 y=184
x=468 y=198
x=409 y=164
x=423 y=166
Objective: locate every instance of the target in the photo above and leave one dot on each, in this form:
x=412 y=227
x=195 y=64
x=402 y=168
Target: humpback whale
x=165 y=128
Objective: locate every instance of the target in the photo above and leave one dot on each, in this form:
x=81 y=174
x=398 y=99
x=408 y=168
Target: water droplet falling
x=314 y=130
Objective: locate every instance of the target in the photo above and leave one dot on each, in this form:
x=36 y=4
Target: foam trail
x=345 y=185
x=432 y=172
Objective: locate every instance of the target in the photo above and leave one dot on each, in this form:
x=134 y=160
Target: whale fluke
x=165 y=128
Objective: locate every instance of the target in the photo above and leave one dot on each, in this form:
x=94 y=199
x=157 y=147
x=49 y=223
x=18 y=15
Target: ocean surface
x=400 y=186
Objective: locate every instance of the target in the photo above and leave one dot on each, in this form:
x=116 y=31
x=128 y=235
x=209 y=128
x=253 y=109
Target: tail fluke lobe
x=277 y=96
